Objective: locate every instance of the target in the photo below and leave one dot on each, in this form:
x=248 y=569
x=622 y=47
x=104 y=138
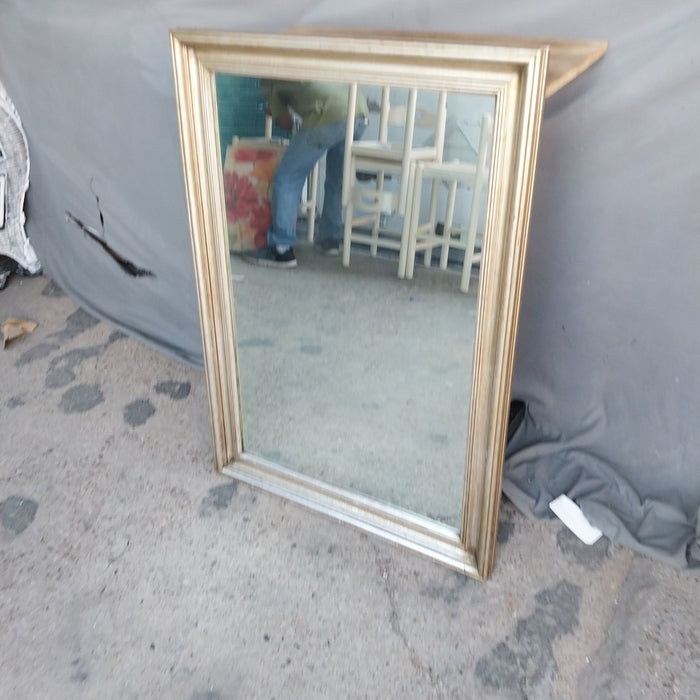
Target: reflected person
x=322 y=108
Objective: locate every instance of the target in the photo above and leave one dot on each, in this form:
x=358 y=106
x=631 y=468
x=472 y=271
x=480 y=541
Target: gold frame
x=515 y=75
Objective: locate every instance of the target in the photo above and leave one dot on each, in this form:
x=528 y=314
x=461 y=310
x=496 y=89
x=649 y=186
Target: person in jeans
x=322 y=108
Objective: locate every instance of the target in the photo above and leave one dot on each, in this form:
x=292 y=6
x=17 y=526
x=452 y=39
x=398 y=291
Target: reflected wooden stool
x=454 y=174
x=366 y=207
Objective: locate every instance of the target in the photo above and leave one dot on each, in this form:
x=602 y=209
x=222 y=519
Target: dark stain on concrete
x=114 y=336
x=505 y=529
x=589 y=556
x=81 y=398
x=506 y=521
x=78 y=322
x=652 y=639
x=60 y=372
x=38 y=352
x=449 y=590
x=501 y=669
x=175 y=390
x=528 y=661
x=15 y=402
x=52 y=290
x=17 y=513
x=218 y=498
x=138 y=412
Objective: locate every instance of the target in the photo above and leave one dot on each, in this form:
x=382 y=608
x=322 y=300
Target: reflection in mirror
x=348 y=374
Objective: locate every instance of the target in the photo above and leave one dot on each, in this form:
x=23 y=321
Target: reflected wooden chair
x=366 y=207
x=426 y=236
x=308 y=205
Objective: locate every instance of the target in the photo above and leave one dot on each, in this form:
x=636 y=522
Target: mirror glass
x=349 y=374
x=371 y=385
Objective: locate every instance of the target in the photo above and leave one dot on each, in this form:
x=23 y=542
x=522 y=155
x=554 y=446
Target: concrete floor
x=130 y=569
x=357 y=378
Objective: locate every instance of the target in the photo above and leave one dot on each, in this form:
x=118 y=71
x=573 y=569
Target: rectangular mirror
x=372 y=385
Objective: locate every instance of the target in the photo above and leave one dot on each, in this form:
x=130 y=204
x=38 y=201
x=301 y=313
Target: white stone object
x=14 y=183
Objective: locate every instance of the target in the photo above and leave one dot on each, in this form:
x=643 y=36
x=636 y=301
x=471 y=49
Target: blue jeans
x=305 y=149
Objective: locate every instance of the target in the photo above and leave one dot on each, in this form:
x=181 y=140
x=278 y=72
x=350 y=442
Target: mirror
x=371 y=387
x=346 y=375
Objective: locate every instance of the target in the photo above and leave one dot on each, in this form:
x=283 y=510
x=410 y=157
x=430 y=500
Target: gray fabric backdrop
x=608 y=345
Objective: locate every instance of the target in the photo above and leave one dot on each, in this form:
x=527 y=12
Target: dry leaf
x=15 y=328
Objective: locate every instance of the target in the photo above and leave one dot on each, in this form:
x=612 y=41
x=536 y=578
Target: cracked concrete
x=130 y=569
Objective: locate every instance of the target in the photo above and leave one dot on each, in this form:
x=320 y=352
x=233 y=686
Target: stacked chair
x=383 y=160
x=385 y=178
x=428 y=235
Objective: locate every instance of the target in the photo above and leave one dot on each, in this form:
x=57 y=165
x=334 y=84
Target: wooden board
x=568 y=58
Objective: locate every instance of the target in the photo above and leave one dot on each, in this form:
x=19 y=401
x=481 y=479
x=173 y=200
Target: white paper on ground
x=572 y=516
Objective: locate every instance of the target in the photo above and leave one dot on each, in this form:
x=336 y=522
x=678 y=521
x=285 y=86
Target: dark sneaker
x=328 y=246
x=269 y=257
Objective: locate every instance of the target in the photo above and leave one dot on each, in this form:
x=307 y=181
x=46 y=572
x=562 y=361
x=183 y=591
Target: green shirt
x=317 y=103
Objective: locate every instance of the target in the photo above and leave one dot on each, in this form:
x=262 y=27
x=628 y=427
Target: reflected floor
x=355 y=377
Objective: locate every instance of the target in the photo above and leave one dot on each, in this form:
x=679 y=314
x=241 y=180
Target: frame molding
x=515 y=75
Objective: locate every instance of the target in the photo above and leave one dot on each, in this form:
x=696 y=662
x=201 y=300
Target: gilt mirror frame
x=515 y=76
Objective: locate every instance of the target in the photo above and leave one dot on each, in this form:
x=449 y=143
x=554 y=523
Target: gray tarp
x=608 y=345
